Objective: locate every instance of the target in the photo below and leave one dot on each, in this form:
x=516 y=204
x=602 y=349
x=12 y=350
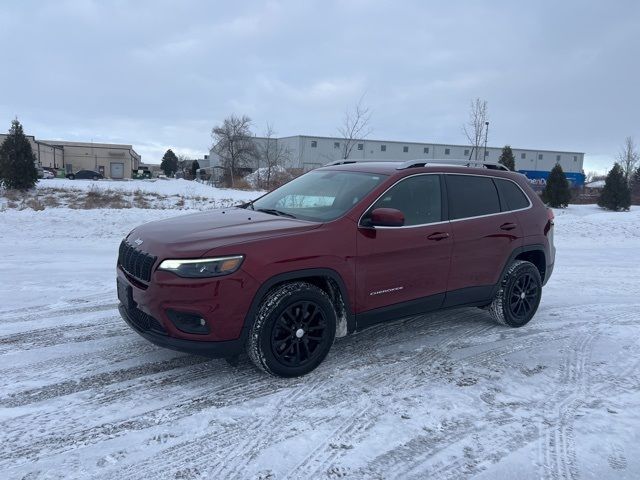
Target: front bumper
x=221 y=349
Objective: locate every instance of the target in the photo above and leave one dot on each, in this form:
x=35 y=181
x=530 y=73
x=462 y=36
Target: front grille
x=135 y=262
x=145 y=322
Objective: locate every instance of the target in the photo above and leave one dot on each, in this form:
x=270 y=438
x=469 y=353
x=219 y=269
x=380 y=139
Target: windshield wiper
x=273 y=211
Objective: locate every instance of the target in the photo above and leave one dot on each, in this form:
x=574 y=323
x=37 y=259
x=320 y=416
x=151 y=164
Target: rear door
x=484 y=235
x=395 y=265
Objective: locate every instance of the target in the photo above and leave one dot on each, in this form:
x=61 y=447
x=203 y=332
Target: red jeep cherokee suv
x=334 y=251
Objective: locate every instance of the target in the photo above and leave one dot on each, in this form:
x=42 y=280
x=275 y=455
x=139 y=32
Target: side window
x=512 y=195
x=418 y=198
x=471 y=196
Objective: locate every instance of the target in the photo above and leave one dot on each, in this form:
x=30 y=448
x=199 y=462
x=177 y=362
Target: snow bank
x=166 y=187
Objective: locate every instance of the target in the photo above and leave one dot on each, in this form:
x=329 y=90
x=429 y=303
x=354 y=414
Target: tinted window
x=418 y=198
x=512 y=195
x=471 y=196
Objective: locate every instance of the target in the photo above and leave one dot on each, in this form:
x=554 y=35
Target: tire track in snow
x=52 y=336
x=69 y=387
x=232 y=392
x=236 y=451
x=351 y=430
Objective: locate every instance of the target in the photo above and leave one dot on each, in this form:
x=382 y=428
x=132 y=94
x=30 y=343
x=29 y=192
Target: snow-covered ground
x=448 y=395
x=186 y=188
x=154 y=194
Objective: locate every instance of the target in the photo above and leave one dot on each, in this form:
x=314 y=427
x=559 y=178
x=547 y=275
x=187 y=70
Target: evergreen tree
x=169 y=163
x=507 y=159
x=556 y=193
x=635 y=182
x=195 y=166
x=17 y=161
x=615 y=194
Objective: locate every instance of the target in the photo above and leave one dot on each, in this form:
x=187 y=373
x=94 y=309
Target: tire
x=71 y=177
x=280 y=341
x=519 y=295
x=95 y=177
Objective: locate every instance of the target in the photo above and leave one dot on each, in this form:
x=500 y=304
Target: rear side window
x=512 y=195
x=471 y=196
x=418 y=198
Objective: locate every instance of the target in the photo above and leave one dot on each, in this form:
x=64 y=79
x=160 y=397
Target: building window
x=336 y=144
x=523 y=156
x=383 y=148
x=425 y=149
x=361 y=146
x=575 y=158
x=314 y=144
x=466 y=152
x=557 y=158
x=405 y=149
x=540 y=157
x=447 y=151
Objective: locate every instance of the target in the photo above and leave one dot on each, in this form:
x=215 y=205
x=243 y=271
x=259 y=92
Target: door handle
x=508 y=226
x=437 y=236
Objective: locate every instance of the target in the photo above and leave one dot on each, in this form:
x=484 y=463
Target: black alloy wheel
x=516 y=301
x=523 y=296
x=293 y=330
x=298 y=334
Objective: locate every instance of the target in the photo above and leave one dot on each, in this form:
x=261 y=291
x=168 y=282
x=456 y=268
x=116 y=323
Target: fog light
x=188 y=322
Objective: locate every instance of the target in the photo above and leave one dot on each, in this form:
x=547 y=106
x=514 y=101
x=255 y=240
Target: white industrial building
x=309 y=152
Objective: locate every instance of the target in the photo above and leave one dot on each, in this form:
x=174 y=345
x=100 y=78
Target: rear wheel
x=519 y=295
x=95 y=177
x=293 y=331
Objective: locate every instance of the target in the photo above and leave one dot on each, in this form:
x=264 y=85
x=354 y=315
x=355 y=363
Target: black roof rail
x=460 y=163
x=339 y=162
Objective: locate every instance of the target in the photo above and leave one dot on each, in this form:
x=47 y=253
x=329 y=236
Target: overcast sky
x=159 y=74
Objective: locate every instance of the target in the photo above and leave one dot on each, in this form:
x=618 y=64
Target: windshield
x=319 y=196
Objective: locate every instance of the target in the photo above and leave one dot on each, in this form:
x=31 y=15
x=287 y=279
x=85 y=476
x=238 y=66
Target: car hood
x=191 y=236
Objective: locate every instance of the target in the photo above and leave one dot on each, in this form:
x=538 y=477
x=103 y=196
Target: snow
x=171 y=186
x=447 y=395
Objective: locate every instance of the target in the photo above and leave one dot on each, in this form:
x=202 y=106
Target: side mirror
x=386 y=217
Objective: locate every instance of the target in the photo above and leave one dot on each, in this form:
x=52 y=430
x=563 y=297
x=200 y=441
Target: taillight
x=549 y=225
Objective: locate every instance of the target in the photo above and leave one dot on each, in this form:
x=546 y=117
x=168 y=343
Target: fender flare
x=299 y=275
x=517 y=251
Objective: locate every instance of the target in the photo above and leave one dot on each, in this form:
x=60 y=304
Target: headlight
x=203 y=267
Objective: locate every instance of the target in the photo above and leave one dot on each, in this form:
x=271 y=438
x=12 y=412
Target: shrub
x=615 y=194
x=556 y=193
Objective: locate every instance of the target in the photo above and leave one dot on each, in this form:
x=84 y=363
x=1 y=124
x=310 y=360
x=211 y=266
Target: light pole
x=486 y=134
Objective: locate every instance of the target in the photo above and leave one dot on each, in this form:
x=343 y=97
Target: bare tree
x=274 y=155
x=476 y=128
x=355 y=126
x=628 y=157
x=234 y=144
x=593 y=176
x=183 y=161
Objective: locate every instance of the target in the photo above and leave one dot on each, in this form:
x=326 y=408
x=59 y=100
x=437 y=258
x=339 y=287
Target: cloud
x=162 y=73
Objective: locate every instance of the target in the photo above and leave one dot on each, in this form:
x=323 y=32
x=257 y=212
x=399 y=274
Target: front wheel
x=519 y=295
x=293 y=331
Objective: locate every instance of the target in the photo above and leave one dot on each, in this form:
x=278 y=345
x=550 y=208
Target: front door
x=404 y=268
